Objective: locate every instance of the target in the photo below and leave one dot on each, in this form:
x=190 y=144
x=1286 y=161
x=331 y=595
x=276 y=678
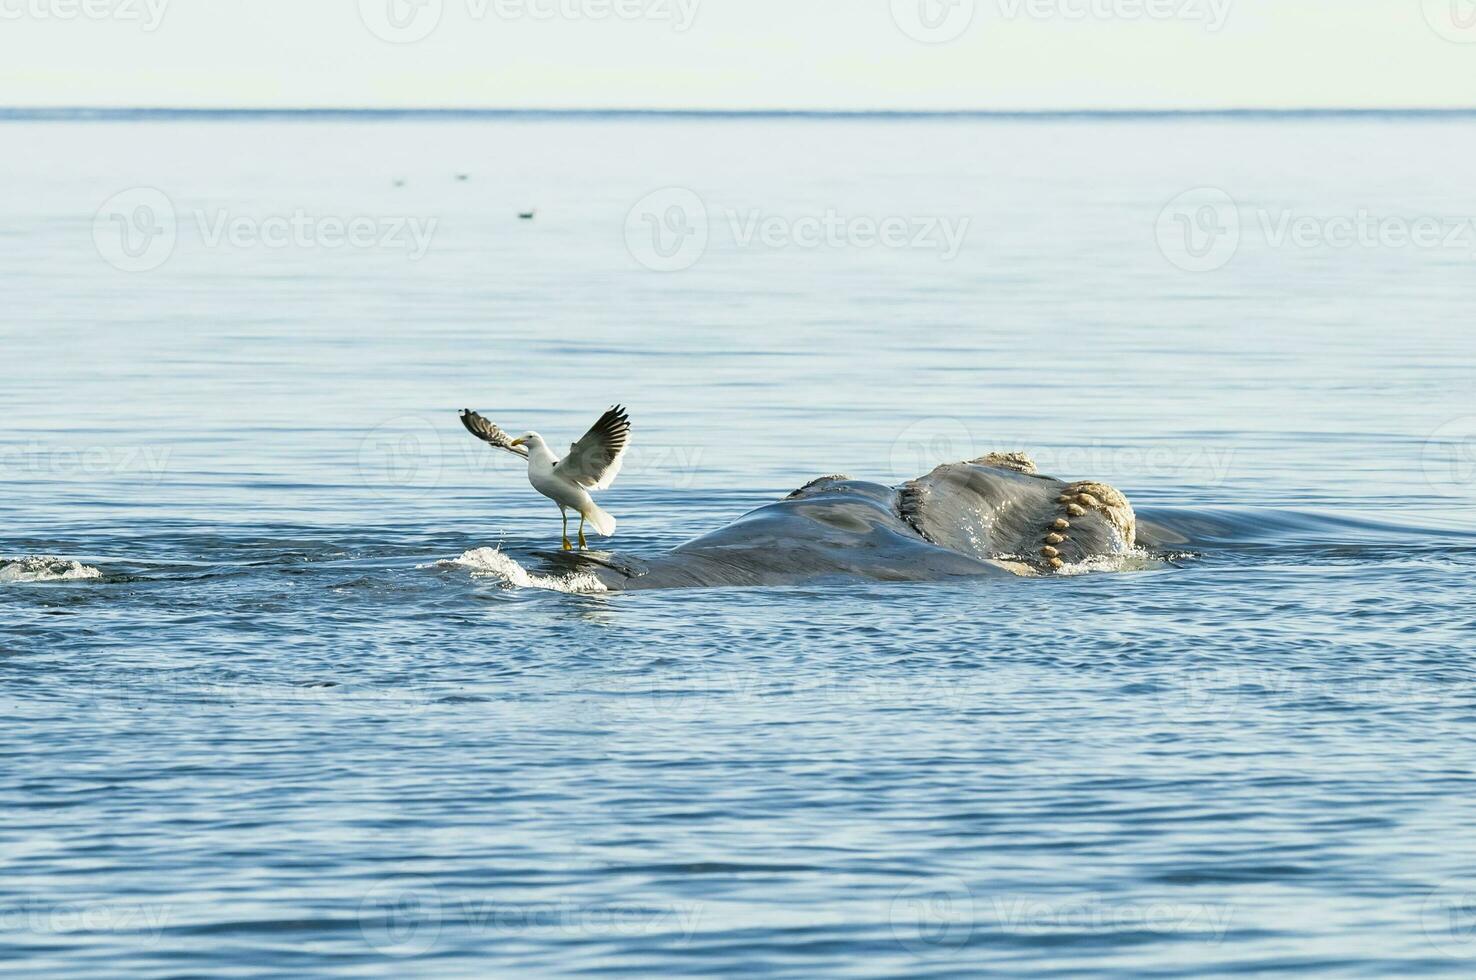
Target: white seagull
x=592 y=464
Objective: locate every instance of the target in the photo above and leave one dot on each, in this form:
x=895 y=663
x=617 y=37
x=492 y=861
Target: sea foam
x=45 y=568
x=497 y=564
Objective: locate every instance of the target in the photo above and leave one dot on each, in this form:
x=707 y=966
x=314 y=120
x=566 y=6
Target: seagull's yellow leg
x=565 y=515
x=583 y=544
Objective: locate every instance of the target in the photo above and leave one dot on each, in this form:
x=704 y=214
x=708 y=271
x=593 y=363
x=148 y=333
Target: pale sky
x=827 y=54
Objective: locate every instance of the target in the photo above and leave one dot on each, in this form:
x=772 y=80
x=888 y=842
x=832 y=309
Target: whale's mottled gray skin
x=994 y=516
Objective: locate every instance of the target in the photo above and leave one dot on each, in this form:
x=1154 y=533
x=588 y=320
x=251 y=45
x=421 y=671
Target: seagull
x=592 y=464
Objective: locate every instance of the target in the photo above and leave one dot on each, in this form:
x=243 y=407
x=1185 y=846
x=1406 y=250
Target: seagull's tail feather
x=603 y=523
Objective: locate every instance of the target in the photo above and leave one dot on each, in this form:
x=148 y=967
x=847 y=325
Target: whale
x=995 y=516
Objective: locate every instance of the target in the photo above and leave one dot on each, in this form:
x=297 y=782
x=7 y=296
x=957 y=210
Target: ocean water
x=299 y=697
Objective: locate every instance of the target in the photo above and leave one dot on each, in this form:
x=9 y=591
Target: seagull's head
x=530 y=439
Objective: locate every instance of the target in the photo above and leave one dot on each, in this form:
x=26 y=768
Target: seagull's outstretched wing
x=594 y=461
x=489 y=433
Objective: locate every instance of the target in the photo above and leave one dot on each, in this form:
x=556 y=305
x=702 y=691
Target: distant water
x=320 y=712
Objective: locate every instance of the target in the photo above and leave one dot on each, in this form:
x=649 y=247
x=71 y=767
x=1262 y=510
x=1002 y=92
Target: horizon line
x=103 y=113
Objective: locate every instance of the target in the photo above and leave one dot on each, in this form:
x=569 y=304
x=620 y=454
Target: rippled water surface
x=284 y=731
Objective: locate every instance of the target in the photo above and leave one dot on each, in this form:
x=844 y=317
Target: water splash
x=1130 y=560
x=45 y=568
x=497 y=564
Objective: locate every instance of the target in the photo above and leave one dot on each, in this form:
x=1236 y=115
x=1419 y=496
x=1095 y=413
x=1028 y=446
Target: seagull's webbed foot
x=567 y=545
x=583 y=544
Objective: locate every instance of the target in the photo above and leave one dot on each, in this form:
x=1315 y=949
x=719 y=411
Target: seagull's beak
x=516 y=442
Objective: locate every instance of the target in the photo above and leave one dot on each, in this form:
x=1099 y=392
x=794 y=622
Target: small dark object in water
x=463 y=176
x=527 y=215
x=399 y=181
